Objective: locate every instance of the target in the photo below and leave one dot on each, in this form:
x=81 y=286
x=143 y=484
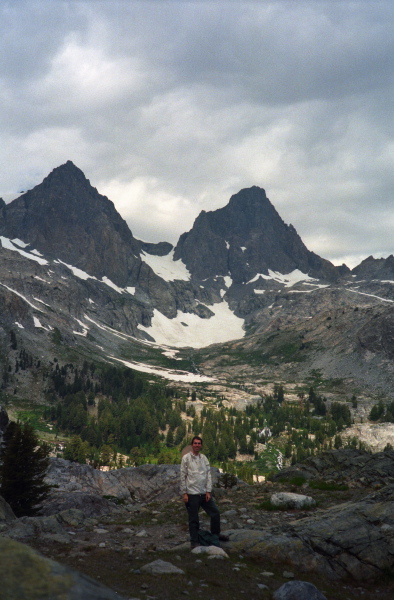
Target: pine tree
x=22 y=470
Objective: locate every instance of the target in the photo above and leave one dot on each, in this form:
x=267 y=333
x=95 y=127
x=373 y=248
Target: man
x=196 y=488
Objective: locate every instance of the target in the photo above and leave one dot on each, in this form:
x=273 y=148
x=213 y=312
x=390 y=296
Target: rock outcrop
x=354 y=539
x=345 y=466
x=27 y=575
x=132 y=484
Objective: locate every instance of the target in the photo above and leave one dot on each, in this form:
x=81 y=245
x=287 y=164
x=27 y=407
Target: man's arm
x=208 y=480
x=183 y=476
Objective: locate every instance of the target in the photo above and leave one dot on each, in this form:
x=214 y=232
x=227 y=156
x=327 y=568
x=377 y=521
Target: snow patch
x=131 y=290
x=19 y=242
x=188 y=329
x=84 y=328
x=19 y=325
x=77 y=272
x=42 y=301
x=371 y=296
x=21 y=296
x=288 y=280
x=259 y=291
x=8 y=245
x=243 y=248
x=166 y=373
x=171 y=354
x=112 y=285
x=228 y=281
x=166 y=267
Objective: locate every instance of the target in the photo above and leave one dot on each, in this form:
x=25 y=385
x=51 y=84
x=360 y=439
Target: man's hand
x=208 y=496
x=186 y=498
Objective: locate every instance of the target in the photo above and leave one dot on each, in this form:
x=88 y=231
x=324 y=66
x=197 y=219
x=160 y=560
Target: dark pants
x=193 y=506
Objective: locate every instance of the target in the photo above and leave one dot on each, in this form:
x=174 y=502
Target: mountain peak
x=67 y=175
x=65 y=217
x=244 y=238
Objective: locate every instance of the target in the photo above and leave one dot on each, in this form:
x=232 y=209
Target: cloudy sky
x=170 y=107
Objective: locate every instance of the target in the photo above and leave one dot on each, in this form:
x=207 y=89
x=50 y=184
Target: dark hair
x=196 y=437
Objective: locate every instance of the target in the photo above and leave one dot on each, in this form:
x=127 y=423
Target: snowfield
x=288 y=280
x=188 y=329
x=166 y=267
x=166 y=373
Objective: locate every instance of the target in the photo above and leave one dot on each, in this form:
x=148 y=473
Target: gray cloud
x=171 y=107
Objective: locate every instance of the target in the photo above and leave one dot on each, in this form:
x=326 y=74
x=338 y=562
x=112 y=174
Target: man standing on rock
x=196 y=488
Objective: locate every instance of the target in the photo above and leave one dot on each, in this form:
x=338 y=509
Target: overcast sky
x=170 y=107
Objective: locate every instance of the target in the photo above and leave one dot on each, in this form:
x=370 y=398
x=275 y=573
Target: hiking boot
x=223 y=538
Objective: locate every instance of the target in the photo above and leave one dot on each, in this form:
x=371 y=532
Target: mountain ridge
x=239 y=274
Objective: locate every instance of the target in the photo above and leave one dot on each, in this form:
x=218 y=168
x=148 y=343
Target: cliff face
x=64 y=217
x=244 y=238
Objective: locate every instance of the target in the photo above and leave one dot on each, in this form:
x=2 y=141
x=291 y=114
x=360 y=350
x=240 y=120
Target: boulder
x=298 y=590
x=210 y=551
x=161 y=567
x=27 y=575
x=290 y=500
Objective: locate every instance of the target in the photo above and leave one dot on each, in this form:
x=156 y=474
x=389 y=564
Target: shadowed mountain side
x=65 y=217
x=247 y=237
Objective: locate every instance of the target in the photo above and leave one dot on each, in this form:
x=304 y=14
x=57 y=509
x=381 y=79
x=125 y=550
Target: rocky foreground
x=127 y=531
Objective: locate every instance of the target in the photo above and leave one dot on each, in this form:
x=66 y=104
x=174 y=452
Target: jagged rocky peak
x=244 y=238
x=65 y=217
x=379 y=268
x=158 y=249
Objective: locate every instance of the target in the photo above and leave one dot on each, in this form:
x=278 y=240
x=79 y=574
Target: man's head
x=196 y=444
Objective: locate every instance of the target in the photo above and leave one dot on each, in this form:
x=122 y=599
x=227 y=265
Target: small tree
x=22 y=470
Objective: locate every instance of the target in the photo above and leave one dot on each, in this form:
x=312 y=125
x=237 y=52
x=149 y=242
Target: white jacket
x=195 y=474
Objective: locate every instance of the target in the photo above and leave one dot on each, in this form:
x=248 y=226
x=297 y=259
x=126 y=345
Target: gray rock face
x=64 y=214
x=91 y=505
x=345 y=465
x=27 y=574
x=355 y=539
x=28 y=527
x=244 y=238
x=144 y=484
x=375 y=268
x=298 y=590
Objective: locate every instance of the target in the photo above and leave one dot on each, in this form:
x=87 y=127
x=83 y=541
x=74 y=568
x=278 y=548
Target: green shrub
x=326 y=486
x=299 y=480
